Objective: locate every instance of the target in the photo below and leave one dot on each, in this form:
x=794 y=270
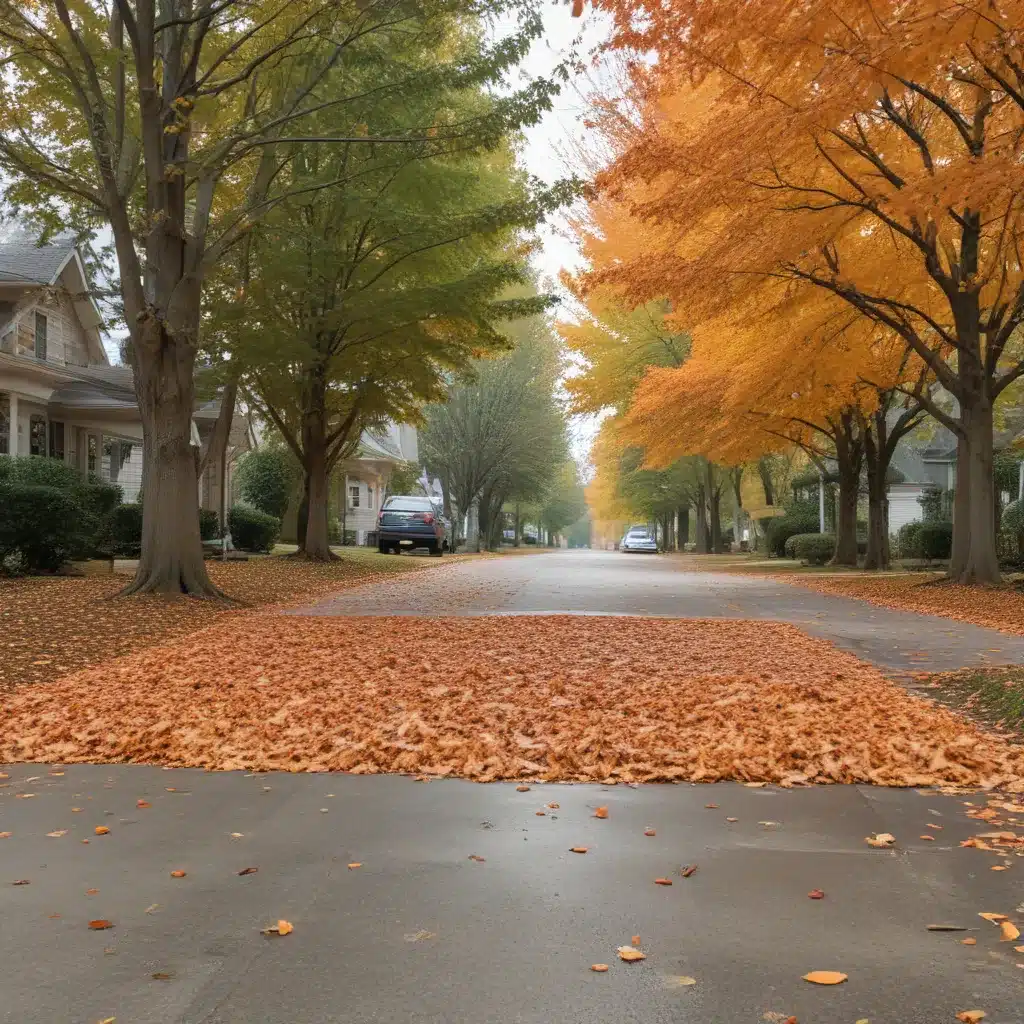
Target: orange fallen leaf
x=76 y=810
x=826 y=977
x=177 y=874
x=994 y=918
x=248 y=871
x=281 y=928
x=968 y=942
x=880 y=839
x=816 y=894
x=143 y=803
x=663 y=881
x=1010 y=932
x=755 y=785
x=91 y=892
x=522 y=789
x=101 y=830
x=56 y=835
x=170 y=789
x=553 y=807
x=971 y=1016
x=24 y=796
x=599 y=968
x=477 y=858
x=629 y=954
x=161 y=976
x=601 y=812
x=100 y=925
x=999 y=867
x=635 y=940
x=53 y=917
x=22 y=881
x=578 y=849
x=649 y=832
x=6 y=835
x=711 y=807
x=540 y=814
x=1018 y=949
x=936 y=827
x=930 y=839
x=688 y=870
x=355 y=864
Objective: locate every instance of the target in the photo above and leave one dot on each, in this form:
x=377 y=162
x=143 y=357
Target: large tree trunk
x=702 y=536
x=316 y=544
x=715 y=500
x=849 y=455
x=683 y=527
x=877 y=464
x=982 y=561
x=172 y=551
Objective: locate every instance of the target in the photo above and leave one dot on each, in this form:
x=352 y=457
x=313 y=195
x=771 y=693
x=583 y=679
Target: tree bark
x=877 y=555
x=172 y=553
x=702 y=536
x=316 y=544
x=683 y=529
x=849 y=455
x=982 y=562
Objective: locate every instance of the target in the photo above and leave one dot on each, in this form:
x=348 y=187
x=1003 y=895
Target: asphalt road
x=421 y=933
x=613 y=583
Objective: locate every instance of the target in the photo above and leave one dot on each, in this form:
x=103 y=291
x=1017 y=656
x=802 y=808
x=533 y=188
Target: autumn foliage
x=830 y=200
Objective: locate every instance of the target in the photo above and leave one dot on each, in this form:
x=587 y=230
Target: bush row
x=932 y=541
x=812 y=548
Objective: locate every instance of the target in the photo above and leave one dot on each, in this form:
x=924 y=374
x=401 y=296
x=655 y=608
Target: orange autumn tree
x=862 y=152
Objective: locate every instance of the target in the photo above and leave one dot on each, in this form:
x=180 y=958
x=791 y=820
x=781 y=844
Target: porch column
x=12 y=444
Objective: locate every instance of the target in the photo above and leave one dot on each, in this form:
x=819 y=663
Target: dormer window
x=41 y=326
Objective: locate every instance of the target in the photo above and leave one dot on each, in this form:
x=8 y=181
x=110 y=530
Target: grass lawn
x=50 y=626
x=994 y=696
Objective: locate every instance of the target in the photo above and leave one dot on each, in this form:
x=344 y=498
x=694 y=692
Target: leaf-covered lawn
x=993 y=695
x=555 y=697
x=52 y=626
x=995 y=607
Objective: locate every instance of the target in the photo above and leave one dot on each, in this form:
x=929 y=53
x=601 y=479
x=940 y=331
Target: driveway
x=421 y=932
x=612 y=583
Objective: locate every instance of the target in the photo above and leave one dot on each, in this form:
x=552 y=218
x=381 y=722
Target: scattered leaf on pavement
x=553 y=807
x=816 y=894
x=600 y=968
x=929 y=839
x=143 y=803
x=971 y=1016
x=663 y=881
x=880 y=839
x=100 y=925
x=355 y=864
x=1010 y=932
x=419 y=936
x=281 y=928
x=162 y=975
x=153 y=908
x=755 y=785
x=629 y=954
x=22 y=881
x=101 y=830
x=688 y=870
x=969 y=942
x=678 y=981
x=477 y=858
x=578 y=849
x=58 y=833
x=601 y=812
x=947 y=928
x=649 y=832
x=635 y=940
x=825 y=977
x=994 y=918
x=522 y=789
x=177 y=874
x=6 y=835
x=248 y=871
x=91 y=892
x=711 y=807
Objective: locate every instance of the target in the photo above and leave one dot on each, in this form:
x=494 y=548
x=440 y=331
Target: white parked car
x=638 y=539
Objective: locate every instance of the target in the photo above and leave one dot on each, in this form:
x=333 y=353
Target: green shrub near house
x=267 y=478
x=253 y=530
x=801 y=517
x=41 y=527
x=928 y=540
x=812 y=548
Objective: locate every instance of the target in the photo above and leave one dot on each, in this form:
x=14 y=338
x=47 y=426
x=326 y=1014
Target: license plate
x=409 y=542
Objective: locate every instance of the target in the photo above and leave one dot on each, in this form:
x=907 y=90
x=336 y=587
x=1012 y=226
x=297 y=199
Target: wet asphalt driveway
x=421 y=933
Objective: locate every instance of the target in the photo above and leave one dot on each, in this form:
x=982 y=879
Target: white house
x=59 y=394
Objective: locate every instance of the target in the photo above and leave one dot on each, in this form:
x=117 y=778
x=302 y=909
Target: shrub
x=41 y=527
x=267 y=479
x=209 y=524
x=812 y=548
x=928 y=540
x=125 y=531
x=253 y=530
x=936 y=540
x=778 y=531
x=1013 y=517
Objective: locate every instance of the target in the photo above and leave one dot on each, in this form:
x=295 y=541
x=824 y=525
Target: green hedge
x=125 y=527
x=267 y=478
x=932 y=541
x=41 y=527
x=778 y=531
x=209 y=524
x=253 y=530
x=812 y=548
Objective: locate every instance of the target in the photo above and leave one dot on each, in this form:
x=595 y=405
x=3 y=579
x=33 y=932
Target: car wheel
x=436 y=550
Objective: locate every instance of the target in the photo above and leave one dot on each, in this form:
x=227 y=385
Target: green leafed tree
x=179 y=125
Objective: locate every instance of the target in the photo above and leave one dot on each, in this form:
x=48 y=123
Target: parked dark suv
x=410 y=522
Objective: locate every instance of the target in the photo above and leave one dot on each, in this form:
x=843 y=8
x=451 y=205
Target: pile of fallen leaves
x=55 y=625
x=995 y=607
x=554 y=697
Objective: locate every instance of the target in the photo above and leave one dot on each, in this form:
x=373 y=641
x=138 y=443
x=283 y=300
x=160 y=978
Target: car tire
x=436 y=550
x=382 y=548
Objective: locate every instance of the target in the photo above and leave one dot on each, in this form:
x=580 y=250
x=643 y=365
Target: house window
x=37 y=435
x=40 y=336
x=92 y=448
x=5 y=425
x=353 y=495
x=56 y=440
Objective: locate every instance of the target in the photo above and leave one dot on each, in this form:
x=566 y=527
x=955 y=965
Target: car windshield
x=402 y=503
x=638 y=535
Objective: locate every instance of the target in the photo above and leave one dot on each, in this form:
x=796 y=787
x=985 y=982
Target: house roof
x=34 y=264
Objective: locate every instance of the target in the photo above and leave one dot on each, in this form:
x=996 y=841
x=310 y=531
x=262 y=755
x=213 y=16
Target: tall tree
x=174 y=122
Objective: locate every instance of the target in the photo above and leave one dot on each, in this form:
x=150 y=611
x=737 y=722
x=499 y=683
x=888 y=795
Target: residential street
x=394 y=921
